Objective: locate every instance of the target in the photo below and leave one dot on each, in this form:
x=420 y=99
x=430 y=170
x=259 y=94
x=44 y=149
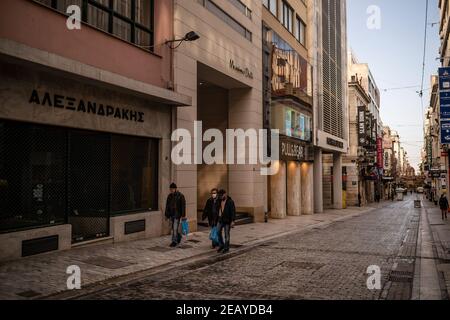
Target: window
x=286 y=18
x=225 y=17
x=51 y=175
x=32 y=176
x=271 y=5
x=130 y=20
x=242 y=7
x=300 y=32
x=134 y=174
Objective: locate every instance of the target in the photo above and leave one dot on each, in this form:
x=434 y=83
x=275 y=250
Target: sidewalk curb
x=204 y=258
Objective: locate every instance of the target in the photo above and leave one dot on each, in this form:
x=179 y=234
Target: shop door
x=88 y=185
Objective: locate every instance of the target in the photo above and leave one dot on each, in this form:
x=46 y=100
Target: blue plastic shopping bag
x=184 y=227
x=214 y=235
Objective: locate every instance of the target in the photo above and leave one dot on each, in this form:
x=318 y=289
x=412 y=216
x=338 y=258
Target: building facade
x=85 y=123
x=331 y=133
x=444 y=31
x=222 y=72
x=356 y=160
x=287 y=104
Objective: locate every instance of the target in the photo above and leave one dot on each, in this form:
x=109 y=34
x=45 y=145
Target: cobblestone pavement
x=327 y=262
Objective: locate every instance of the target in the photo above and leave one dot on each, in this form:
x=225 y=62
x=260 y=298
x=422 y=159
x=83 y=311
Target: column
x=294 y=189
x=245 y=182
x=337 y=181
x=318 y=181
x=278 y=192
x=307 y=174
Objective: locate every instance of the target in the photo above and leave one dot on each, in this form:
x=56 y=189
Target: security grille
x=52 y=175
x=89 y=180
x=333 y=103
x=32 y=175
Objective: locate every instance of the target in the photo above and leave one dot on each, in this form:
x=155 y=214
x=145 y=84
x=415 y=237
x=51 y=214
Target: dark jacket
x=443 y=203
x=211 y=211
x=175 y=205
x=229 y=212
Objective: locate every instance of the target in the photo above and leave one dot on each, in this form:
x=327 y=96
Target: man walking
x=175 y=211
x=211 y=211
x=443 y=204
x=227 y=215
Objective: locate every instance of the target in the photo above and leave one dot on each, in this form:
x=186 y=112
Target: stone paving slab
x=45 y=274
x=441 y=236
x=314 y=263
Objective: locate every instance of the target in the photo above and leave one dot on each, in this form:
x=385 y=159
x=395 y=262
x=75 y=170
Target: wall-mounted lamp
x=190 y=36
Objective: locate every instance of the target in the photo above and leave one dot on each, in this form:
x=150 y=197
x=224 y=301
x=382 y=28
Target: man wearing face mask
x=227 y=215
x=211 y=211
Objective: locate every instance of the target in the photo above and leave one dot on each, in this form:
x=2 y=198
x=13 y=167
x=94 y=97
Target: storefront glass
x=134 y=174
x=32 y=176
x=51 y=175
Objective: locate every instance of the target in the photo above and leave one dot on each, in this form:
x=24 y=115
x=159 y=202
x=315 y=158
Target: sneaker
x=225 y=250
x=173 y=244
x=220 y=249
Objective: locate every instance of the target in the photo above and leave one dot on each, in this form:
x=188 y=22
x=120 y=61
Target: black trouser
x=444 y=213
x=226 y=227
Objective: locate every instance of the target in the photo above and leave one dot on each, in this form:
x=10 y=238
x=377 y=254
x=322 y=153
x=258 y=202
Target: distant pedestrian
x=443 y=204
x=211 y=211
x=175 y=211
x=227 y=215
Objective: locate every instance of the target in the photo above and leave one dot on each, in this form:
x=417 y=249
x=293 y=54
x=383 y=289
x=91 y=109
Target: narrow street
x=321 y=263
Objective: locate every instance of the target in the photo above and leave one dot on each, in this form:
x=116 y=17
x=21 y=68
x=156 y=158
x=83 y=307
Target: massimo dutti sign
x=243 y=70
x=84 y=106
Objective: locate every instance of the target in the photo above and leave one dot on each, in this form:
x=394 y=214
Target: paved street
x=321 y=263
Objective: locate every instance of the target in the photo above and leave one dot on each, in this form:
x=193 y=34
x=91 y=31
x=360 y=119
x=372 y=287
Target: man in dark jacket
x=175 y=211
x=211 y=211
x=443 y=204
x=227 y=215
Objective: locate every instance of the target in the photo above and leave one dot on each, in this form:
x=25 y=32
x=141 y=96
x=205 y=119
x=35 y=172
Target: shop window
x=134 y=174
x=88 y=184
x=51 y=175
x=32 y=176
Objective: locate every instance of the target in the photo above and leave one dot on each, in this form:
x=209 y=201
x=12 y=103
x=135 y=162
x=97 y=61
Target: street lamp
x=190 y=36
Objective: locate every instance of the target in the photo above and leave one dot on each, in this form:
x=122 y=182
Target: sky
x=394 y=53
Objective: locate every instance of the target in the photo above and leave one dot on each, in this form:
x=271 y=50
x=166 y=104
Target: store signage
x=362 y=137
x=243 y=70
x=292 y=150
x=445 y=131
x=429 y=152
x=444 y=98
x=445 y=111
x=335 y=143
x=444 y=78
x=83 y=106
x=380 y=153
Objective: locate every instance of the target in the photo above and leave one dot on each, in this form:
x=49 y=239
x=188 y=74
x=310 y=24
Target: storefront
x=289 y=110
x=80 y=161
